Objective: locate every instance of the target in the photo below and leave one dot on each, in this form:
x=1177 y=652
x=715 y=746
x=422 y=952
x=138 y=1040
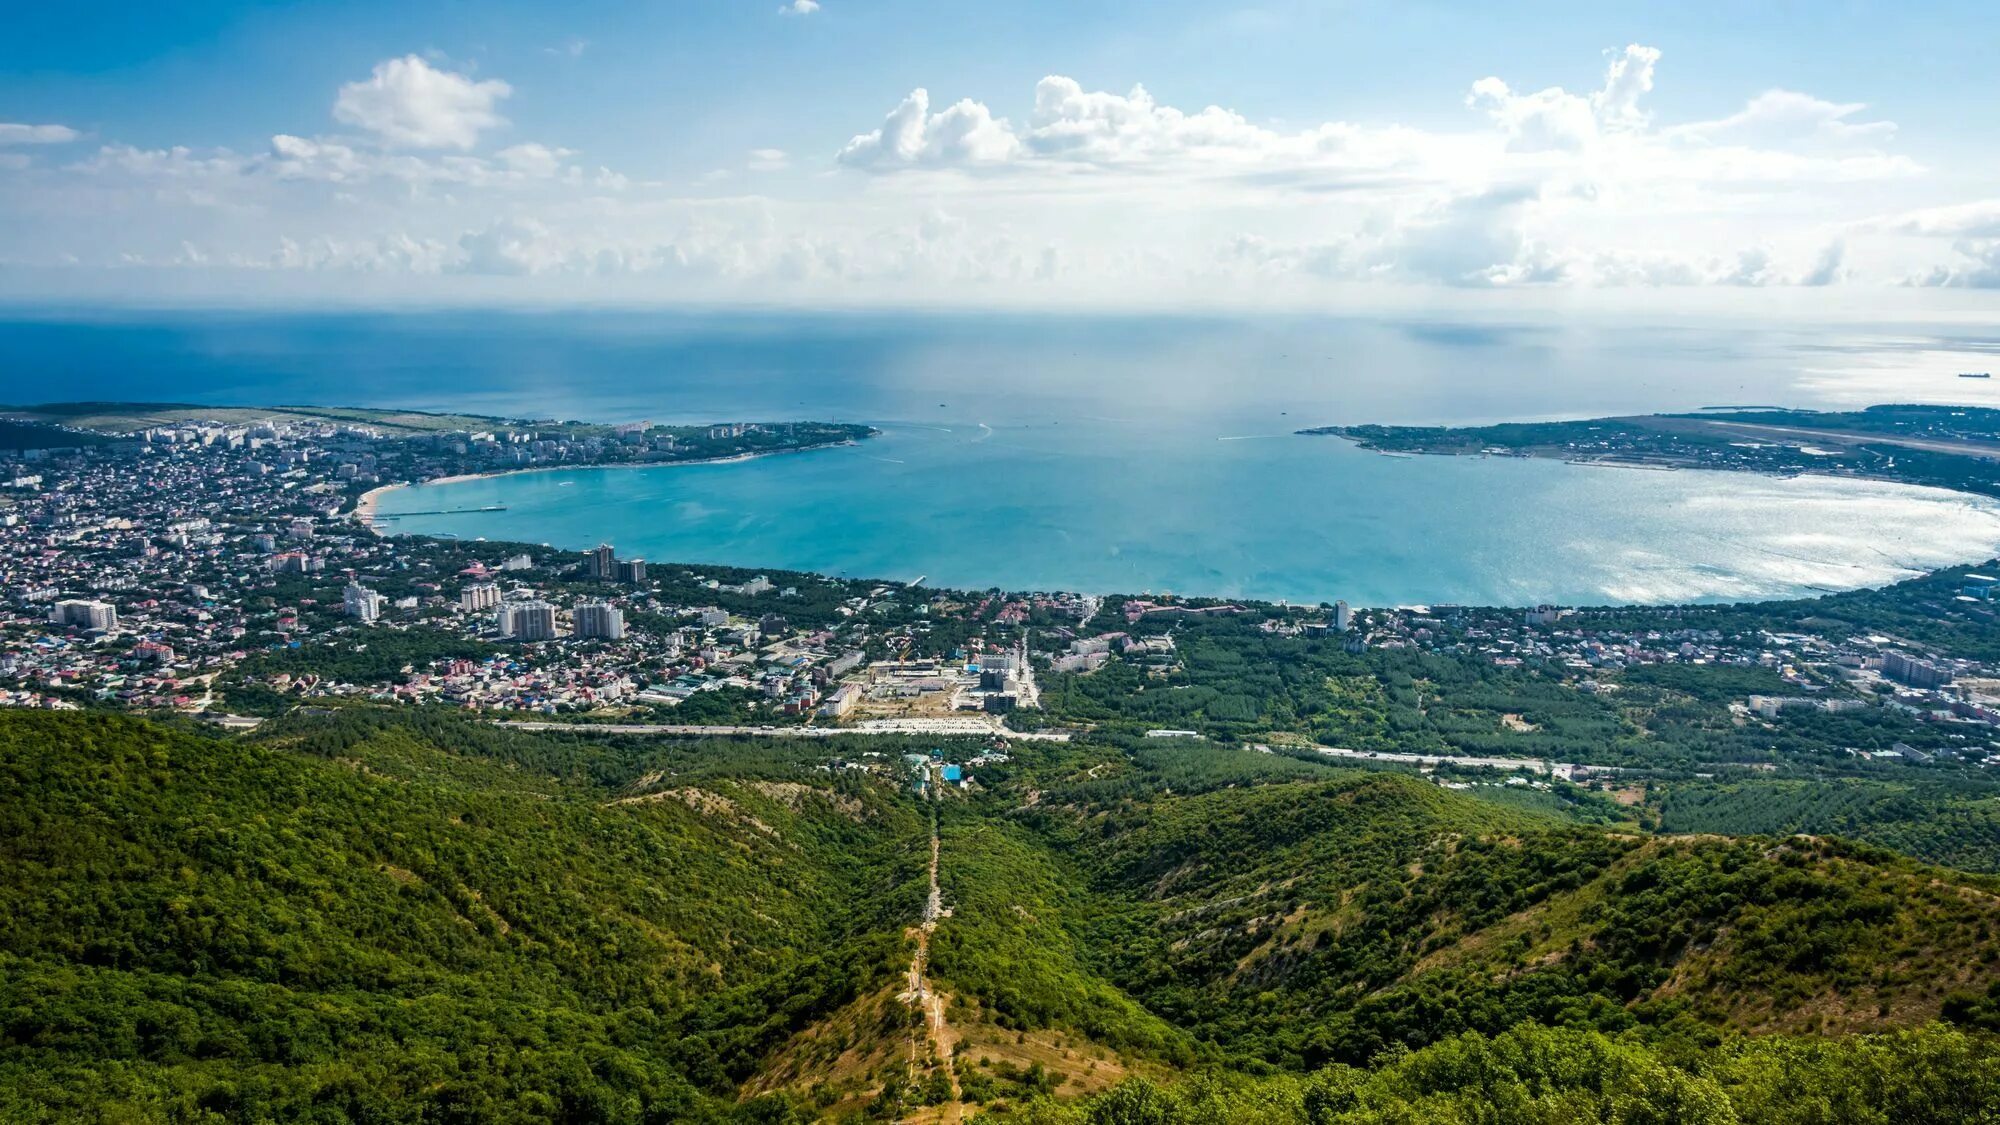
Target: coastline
x=366 y=503
x=1663 y=466
x=367 y=512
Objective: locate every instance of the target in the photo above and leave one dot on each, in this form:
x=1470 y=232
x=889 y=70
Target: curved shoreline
x=365 y=504
x=1648 y=466
x=1855 y=574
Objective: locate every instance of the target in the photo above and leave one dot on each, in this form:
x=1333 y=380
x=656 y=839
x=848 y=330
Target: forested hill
x=365 y=917
x=362 y=922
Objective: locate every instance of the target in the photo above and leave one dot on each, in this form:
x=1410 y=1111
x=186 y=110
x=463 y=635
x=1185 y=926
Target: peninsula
x=1954 y=447
x=393 y=448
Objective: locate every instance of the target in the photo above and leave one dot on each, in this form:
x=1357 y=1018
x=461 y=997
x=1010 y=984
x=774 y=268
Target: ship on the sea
x=1975 y=374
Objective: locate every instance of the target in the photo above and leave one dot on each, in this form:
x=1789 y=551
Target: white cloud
x=510 y=247
x=1752 y=268
x=1978 y=269
x=1974 y=231
x=1071 y=123
x=1557 y=120
x=1785 y=117
x=177 y=162
x=1098 y=195
x=1979 y=219
x=16 y=134
x=305 y=158
x=396 y=253
x=1071 y=126
x=964 y=133
x=1830 y=268
x=1551 y=119
x=1496 y=207
x=407 y=103
x=1628 y=78
x=799 y=8
x=533 y=159
x=1474 y=239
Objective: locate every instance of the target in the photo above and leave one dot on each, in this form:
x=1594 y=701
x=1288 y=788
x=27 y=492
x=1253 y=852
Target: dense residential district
x=231 y=569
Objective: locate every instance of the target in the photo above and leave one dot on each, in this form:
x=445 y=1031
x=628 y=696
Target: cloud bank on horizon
x=414 y=170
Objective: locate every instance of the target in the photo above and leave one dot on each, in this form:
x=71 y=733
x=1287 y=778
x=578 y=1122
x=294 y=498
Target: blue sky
x=706 y=147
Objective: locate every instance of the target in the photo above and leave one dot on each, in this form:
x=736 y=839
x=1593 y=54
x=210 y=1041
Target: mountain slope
x=366 y=916
x=247 y=927
x=1310 y=922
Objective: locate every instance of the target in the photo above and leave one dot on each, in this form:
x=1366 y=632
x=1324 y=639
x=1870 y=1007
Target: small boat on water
x=1975 y=374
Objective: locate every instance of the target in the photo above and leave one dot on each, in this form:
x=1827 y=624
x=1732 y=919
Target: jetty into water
x=439 y=512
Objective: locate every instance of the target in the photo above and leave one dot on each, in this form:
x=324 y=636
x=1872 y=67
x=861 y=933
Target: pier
x=439 y=512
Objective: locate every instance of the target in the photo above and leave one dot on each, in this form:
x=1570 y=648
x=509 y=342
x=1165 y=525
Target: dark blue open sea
x=1102 y=453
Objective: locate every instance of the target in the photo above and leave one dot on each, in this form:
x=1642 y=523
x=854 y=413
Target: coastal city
x=196 y=566
x=822 y=562
x=232 y=569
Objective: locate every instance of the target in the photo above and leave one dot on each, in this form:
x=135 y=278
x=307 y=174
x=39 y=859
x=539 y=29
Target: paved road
x=976 y=728
x=1535 y=765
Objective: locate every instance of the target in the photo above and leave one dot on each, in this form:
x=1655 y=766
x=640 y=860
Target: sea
x=1107 y=454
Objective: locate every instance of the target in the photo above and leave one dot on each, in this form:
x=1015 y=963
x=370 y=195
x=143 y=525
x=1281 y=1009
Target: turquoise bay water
x=1268 y=516
x=1108 y=453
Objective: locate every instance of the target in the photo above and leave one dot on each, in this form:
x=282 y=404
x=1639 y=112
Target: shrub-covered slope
x=374 y=924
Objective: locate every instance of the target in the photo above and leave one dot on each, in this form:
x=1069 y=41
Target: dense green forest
x=1938 y=821
x=1530 y=1075
x=363 y=921
x=362 y=915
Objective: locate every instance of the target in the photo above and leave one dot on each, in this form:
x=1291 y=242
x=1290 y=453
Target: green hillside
x=359 y=922
x=1302 y=923
x=364 y=917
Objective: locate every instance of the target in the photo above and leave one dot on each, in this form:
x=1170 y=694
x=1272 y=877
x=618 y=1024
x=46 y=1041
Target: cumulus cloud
x=1499 y=206
x=1978 y=267
x=964 y=133
x=532 y=159
x=306 y=158
x=1106 y=194
x=1978 y=219
x=1069 y=122
x=1595 y=139
x=17 y=134
x=1474 y=239
x=174 y=163
x=1556 y=120
x=407 y=103
x=1752 y=268
x=1551 y=119
x=1603 y=134
x=799 y=8
x=510 y=247
x=1069 y=125
x=1973 y=230
x=1830 y=268
x=1628 y=78
x=1785 y=117
x=395 y=253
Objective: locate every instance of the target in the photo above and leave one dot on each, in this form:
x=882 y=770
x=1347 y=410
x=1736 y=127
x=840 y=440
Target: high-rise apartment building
x=599 y=620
